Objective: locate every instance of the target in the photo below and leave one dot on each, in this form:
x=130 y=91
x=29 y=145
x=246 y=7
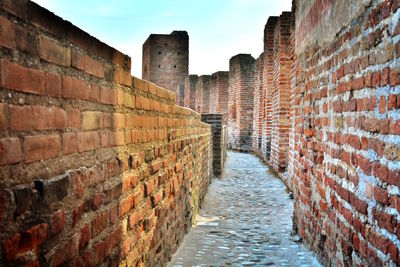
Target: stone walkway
x=246 y=220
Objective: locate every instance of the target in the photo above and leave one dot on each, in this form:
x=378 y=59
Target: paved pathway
x=246 y=220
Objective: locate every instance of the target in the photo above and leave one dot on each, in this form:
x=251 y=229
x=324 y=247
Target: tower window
x=179 y=53
x=165 y=44
x=159 y=66
x=174 y=66
x=159 y=52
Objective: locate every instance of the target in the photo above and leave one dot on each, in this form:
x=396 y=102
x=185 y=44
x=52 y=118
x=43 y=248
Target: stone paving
x=245 y=220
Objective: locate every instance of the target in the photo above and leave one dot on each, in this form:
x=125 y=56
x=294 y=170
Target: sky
x=218 y=29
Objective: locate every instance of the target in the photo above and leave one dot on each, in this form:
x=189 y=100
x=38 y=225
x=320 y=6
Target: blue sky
x=218 y=29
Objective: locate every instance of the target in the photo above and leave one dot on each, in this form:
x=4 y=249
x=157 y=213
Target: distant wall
x=203 y=94
x=219 y=91
x=219 y=137
x=258 y=107
x=190 y=91
x=165 y=61
x=96 y=167
x=240 y=102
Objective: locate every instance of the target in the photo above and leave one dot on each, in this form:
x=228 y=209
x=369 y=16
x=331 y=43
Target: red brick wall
x=203 y=94
x=190 y=91
x=258 y=112
x=345 y=143
x=96 y=167
x=268 y=86
x=165 y=61
x=219 y=91
x=280 y=93
x=240 y=102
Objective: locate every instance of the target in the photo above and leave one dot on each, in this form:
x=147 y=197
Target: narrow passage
x=245 y=220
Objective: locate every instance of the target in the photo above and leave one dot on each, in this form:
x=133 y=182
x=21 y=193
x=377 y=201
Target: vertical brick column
x=240 y=102
x=281 y=93
x=258 y=112
x=203 y=94
x=219 y=141
x=190 y=91
x=268 y=86
x=219 y=87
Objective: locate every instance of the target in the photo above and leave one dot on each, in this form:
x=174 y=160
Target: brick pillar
x=190 y=91
x=219 y=86
x=258 y=112
x=281 y=93
x=203 y=94
x=268 y=86
x=240 y=102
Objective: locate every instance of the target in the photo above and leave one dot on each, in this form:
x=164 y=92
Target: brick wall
x=96 y=167
x=258 y=112
x=219 y=134
x=203 y=94
x=219 y=91
x=240 y=102
x=190 y=91
x=165 y=61
x=344 y=158
x=268 y=87
x=280 y=93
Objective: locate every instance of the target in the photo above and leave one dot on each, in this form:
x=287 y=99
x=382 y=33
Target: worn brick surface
x=165 y=61
x=102 y=170
x=219 y=93
x=240 y=102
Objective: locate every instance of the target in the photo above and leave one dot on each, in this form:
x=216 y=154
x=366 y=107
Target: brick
x=58 y=220
x=52 y=85
x=21 y=118
x=93 y=66
x=99 y=252
x=19 y=78
x=28 y=240
x=75 y=88
x=7 y=33
x=381 y=195
x=382 y=105
x=88 y=141
x=77 y=59
x=118 y=121
x=99 y=224
x=26 y=41
x=108 y=96
x=122 y=77
x=95 y=93
x=54 y=52
x=91 y=120
x=66 y=251
x=84 y=237
x=74 y=118
x=41 y=147
x=45 y=118
x=3 y=116
x=69 y=143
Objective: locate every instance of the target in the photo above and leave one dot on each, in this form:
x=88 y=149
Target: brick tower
x=166 y=60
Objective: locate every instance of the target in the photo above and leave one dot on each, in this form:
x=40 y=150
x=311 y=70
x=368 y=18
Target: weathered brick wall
x=240 y=102
x=345 y=158
x=219 y=91
x=220 y=145
x=268 y=86
x=96 y=167
x=165 y=61
x=280 y=100
x=258 y=112
x=190 y=91
x=203 y=94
